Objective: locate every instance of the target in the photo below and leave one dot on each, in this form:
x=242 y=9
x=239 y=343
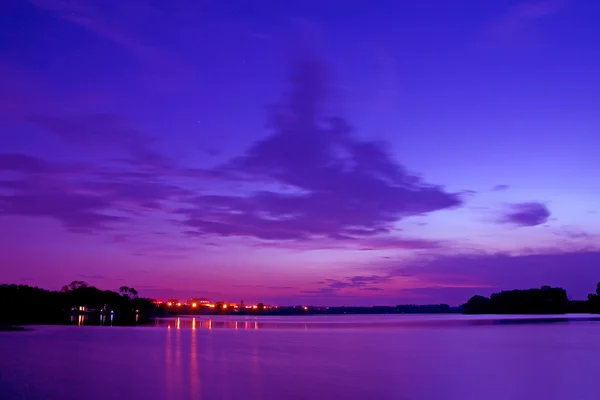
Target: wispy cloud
x=128 y=25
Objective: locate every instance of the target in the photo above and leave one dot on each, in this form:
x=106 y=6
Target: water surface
x=320 y=357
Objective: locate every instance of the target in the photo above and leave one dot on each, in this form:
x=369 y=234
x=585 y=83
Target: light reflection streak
x=194 y=376
x=168 y=361
x=177 y=369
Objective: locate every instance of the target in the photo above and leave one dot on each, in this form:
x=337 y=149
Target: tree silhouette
x=21 y=304
x=128 y=292
x=477 y=305
x=594 y=300
x=74 y=285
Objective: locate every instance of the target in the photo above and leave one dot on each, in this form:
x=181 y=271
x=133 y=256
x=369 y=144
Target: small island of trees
x=545 y=300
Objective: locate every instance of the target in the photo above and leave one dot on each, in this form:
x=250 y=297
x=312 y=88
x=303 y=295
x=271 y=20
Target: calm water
x=341 y=357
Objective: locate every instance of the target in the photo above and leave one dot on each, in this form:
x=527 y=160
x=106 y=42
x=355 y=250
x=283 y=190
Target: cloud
x=146 y=194
x=23 y=163
x=575 y=234
x=445 y=278
x=78 y=212
x=527 y=214
x=354 y=282
x=323 y=182
x=109 y=134
x=397 y=243
x=499 y=188
x=86 y=199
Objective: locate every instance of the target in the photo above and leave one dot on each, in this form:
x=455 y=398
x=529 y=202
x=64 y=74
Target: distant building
x=199 y=300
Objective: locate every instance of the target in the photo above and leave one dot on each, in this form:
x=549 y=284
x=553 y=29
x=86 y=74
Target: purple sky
x=323 y=152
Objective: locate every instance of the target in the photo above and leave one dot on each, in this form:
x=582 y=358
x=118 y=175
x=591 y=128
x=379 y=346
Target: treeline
x=23 y=304
x=546 y=300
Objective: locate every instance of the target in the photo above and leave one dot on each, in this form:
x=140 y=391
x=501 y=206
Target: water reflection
x=318 y=322
x=84 y=319
x=184 y=359
x=194 y=374
x=168 y=362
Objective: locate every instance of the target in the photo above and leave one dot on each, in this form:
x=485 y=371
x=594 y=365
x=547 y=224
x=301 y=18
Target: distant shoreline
x=11 y=328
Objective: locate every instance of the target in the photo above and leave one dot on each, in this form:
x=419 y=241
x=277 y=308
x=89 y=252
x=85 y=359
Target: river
x=321 y=357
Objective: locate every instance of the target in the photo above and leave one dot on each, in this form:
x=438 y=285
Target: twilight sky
x=317 y=151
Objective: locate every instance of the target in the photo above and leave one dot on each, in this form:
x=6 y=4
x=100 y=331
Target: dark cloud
x=354 y=282
x=78 y=212
x=527 y=214
x=499 y=188
x=23 y=163
x=325 y=182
